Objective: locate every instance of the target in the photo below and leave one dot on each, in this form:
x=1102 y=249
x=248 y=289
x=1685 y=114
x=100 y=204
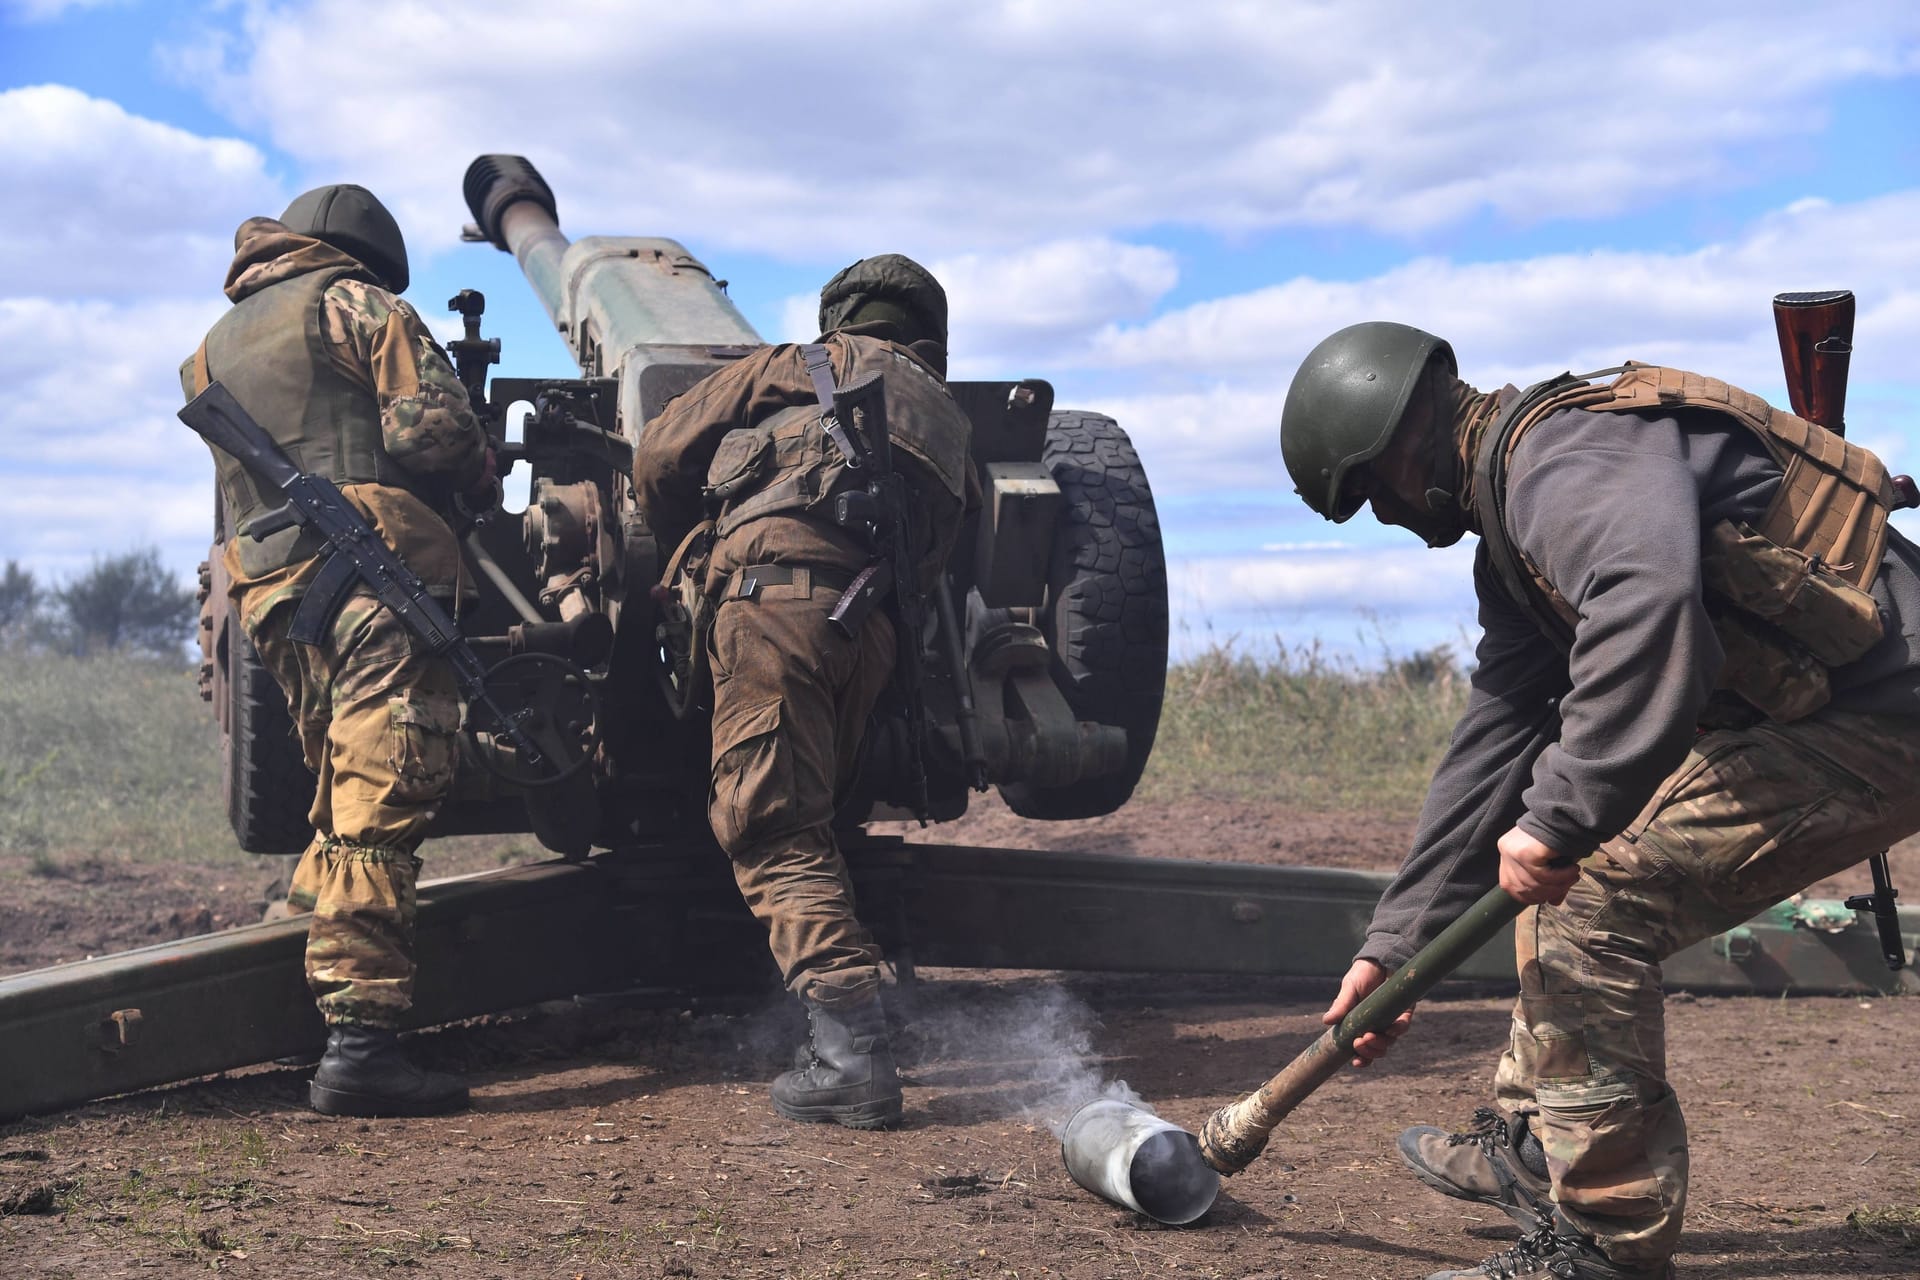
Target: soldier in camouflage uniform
x=1697 y=692
x=791 y=695
x=323 y=353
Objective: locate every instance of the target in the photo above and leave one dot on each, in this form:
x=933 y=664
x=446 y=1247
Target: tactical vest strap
x=1830 y=511
x=820 y=370
x=1490 y=490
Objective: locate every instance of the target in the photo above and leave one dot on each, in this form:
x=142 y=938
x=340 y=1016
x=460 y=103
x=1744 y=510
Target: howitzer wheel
x=1106 y=613
x=269 y=789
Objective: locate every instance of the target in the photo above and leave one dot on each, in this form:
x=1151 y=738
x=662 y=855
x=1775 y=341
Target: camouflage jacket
x=677 y=447
x=376 y=341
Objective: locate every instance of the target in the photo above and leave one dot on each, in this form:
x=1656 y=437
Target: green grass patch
x=110 y=753
x=1302 y=728
x=118 y=754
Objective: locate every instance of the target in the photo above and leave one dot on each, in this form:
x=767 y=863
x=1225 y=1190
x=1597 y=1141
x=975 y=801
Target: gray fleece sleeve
x=1608 y=507
x=1475 y=794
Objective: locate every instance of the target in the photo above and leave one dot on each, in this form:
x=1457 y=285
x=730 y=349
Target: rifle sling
x=820 y=369
x=1490 y=482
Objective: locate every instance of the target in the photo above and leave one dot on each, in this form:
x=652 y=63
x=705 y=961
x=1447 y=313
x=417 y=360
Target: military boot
x=1496 y=1162
x=848 y=1076
x=364 y=1073
x=1557 y=1251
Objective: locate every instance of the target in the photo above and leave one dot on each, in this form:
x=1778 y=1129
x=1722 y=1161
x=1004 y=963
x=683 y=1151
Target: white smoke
x=1034 y=1047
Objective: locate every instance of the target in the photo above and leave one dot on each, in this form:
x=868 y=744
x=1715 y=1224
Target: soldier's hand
x=483 y=494
x=1529 y=870
x=1359 y=983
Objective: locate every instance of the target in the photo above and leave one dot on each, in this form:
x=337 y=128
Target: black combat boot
x=364 y=1073
x=1557 y=1251
x=1497 y=1162
x=849 y=1074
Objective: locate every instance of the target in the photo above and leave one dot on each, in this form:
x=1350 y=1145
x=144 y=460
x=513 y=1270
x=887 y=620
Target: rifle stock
x=1816 y=345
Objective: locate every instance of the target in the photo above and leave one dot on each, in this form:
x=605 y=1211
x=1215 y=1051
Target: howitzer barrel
x=608 y=294
x=513 y=207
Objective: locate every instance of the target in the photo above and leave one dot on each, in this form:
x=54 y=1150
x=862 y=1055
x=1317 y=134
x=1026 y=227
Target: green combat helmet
x=352 y=220
x=890 y=289
x=1345 y=401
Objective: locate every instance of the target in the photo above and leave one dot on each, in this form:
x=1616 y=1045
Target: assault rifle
x=881 y=511
x=1816 y=346
x=356 y=556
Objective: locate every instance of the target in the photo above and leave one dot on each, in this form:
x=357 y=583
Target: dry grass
x=111 y=752
x=1306 y=729
x=119 y=753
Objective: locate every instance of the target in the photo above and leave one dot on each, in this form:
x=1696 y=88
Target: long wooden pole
x=1237 y=1133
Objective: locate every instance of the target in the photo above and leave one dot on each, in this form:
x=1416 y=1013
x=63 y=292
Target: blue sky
x=1160 y=208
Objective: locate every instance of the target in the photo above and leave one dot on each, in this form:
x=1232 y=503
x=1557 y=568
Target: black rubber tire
x=1106 y=613
x=269 y=787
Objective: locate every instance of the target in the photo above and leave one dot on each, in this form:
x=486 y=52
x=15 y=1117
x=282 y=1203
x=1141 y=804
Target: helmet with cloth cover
x=1346 y=399
x=352 y=220
x=891 y=292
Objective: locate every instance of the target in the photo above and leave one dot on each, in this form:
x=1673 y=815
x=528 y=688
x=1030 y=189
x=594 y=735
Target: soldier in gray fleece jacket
x=1640 y=759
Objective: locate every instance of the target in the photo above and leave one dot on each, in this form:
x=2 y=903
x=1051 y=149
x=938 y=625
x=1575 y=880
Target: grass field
x=119 y=753
x=107 y=753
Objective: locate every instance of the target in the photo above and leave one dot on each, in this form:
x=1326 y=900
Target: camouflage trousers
x=790 y=702
x=1750 y=818
x=378 y=723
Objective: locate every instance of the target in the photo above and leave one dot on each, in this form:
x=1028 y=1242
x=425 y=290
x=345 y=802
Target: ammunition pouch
x=686 y=620
x=783 y=466
x=1790 y=600
x=740 y=465
x=1784 y=619
x=1794 y=592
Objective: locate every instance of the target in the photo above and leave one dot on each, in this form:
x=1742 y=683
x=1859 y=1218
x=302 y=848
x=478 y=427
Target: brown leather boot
x=849 y=1076
x=1497 y=1162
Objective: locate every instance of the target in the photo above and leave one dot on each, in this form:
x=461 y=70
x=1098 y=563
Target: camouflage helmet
x=892 y=288
x=352 y=220
x=1346 y=399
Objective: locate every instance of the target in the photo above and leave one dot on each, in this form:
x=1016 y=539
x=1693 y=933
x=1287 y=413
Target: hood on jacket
x=265 y=253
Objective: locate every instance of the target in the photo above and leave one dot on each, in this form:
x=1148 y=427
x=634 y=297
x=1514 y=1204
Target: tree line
x=128 y=603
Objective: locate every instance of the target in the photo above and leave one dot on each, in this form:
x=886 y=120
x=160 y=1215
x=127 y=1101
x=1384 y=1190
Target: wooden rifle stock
x=1816 y=344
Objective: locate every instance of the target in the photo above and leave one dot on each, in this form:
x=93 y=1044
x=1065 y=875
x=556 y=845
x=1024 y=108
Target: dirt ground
x=639 y=1143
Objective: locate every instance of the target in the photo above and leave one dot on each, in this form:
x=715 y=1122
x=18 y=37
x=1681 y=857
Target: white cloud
x=1215 y=373
x=1223 y=436
x=1412 y=576
x=1356 y=601
x=799 y=318
x=1030 y=303
x=948 y=125
x=1706 y=309
x=95 y=459
x=100 y=202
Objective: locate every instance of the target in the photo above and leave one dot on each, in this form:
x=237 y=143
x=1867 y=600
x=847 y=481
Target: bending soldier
x=791 y=693
x=346 y=378
x=1698 y=692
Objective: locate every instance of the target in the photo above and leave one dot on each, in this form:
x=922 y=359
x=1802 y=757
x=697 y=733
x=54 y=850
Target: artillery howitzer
x=1064 y=645
x=1063 y=620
